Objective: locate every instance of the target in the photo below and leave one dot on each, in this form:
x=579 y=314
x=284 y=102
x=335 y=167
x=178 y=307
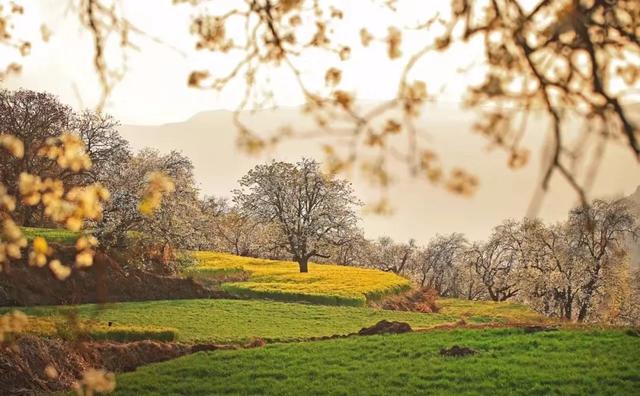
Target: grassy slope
x=281 y=280
x=488 y=311
x=509 y=362
x=241 y=320
x=51 y=234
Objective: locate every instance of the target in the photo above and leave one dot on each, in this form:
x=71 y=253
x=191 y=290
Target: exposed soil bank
x=104 y=281
x=23 y=364
x=415 y=300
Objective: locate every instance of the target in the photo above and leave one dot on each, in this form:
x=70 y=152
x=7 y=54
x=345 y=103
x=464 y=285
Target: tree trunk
x=582 y=314
x=304 y=265
x=568 y=309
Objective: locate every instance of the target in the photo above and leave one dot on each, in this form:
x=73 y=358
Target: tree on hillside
x=232 y=231
x=32 y=117
x=570 y=269
x=104 y=144
x=352 y=252
x=312 y=210
x=598 y=233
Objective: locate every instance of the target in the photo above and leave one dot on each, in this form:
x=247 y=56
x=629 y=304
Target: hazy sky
x=154 y=92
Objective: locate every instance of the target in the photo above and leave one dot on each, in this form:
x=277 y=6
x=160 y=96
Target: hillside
x=282 y=280
x=313 y=343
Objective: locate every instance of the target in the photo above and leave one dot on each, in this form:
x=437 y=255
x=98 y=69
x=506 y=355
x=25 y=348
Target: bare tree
x=105 y=146
x=387 y=255
x=352 y=252
x=438 y=265
x=498 y=263
x=237 y=232
x=32 y=117
x=312 y=210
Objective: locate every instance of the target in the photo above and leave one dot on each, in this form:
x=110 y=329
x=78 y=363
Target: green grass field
x=508 y=362
x=233 y=321
x=281 y=280
x=572 y=361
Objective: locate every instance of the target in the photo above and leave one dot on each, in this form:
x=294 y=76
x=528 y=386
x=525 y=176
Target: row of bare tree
x=579 y=269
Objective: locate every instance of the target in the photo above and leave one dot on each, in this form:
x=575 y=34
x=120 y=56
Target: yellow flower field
x=323 y=284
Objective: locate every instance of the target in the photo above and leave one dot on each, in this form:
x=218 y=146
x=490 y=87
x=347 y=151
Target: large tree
x=312 y=210
x=179 y=222
x=35 y=118
x=32 y=117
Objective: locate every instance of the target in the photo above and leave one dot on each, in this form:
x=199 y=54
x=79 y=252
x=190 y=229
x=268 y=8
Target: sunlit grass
x=60 y=326
x=237 y=321
x=51 y=234
x=489 y=311
x=282 y=280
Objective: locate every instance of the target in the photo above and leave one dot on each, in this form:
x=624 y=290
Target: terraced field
x=237 y=321
x=331 y=300
x=281 y=280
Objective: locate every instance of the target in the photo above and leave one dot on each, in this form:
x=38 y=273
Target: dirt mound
x=457 y=351
x=23 y=364
x=104 y=281
x=386 y=327
x=416 y=300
